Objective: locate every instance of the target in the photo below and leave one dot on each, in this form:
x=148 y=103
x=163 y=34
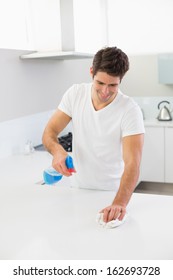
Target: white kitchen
x=45 y=47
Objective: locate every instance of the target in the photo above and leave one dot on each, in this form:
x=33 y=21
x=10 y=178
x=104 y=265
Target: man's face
x=105 y=87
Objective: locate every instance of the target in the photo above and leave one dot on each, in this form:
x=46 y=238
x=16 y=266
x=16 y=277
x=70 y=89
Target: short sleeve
x=66 y=104
x=132 y=122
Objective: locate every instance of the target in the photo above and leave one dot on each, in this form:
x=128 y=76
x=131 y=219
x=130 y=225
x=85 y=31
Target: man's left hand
x=113 y=212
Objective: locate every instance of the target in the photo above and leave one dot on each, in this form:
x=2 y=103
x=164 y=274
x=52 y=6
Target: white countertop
x=58 y=222
x=155 y=122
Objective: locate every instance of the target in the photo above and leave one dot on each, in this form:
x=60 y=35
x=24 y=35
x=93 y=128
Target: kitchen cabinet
x=156 y=165
x=165 y=68
x=43 y=24
x=56 y=38
x=30 y=24
x=85 y=30
x=152 y=166
x=168 y=154
x=13 y=27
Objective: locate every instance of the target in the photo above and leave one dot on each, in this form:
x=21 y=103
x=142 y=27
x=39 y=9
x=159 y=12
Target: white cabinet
x=152 y=166
x=44 y=24
x=30 y=24
x=165 y=68
x=168 y=154
x=13 y=27
x=156 y=165
x=90 y=25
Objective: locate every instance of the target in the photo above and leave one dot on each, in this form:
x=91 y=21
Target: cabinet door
x=44 y=24
x=152 y=166
x=13 y=28
x=168 y=154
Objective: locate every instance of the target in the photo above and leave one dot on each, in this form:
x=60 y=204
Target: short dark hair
x=111 y=60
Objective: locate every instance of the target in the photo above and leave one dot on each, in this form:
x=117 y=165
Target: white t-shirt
x=97 y=136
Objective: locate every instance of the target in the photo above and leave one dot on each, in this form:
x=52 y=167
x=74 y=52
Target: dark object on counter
x=65 y=141
x=164 y=114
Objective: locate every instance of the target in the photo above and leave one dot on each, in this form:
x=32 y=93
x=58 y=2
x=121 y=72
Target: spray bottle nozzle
x=69 y=164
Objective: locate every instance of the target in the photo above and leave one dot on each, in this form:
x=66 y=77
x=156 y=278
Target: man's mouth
x=105 y=96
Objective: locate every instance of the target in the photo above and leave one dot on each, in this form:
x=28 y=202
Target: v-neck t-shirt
x=97 y=136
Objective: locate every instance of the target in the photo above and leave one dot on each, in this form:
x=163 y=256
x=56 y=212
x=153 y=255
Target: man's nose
x=105 y=89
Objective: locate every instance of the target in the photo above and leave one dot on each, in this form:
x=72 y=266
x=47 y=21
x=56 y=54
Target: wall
x=141 y=82
x=30 y=90
x=16 y=133
x=33 y=86
x=142 y=78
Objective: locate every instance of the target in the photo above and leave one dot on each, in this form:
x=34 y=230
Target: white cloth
x=111 y=224
x=97 y=136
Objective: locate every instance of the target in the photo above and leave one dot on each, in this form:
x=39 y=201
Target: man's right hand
x=58 y=163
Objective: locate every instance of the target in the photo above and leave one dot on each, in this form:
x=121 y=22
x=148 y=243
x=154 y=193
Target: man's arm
x=132 y=153
x=56 y=124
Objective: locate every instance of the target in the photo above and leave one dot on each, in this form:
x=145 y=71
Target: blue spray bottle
x=51 y=176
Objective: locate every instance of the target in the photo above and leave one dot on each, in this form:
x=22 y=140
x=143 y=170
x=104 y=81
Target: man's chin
x=105 y=98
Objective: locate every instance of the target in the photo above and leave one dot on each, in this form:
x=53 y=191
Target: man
x=108 y=132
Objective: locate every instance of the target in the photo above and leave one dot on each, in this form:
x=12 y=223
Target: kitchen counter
x=155 y=122
x=58 y=222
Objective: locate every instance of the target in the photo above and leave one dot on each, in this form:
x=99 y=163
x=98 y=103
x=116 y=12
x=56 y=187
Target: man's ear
x=91 y=72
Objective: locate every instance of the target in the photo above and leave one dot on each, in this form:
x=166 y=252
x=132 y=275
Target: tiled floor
x=155 y=188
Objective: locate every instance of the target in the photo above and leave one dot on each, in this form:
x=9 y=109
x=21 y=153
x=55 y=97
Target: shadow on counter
x=155 y=188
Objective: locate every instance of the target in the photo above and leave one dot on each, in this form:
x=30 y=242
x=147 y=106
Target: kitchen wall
x=32 y=86
x=142 y=78
x=30 y=90
x=141 y=82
